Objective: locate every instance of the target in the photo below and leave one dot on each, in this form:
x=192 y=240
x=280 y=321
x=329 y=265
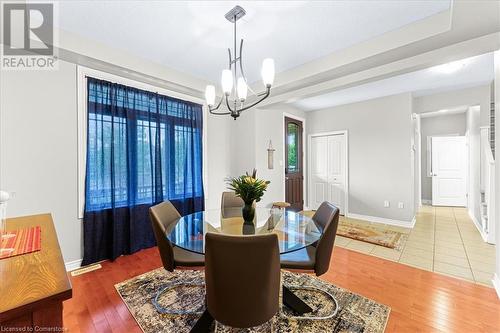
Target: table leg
x=203 y=324
x=293 y=302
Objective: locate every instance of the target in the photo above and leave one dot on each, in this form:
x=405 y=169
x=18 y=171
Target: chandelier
x=235 y=95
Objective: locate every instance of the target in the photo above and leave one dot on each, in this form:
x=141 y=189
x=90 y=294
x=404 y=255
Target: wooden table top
x=29 y=280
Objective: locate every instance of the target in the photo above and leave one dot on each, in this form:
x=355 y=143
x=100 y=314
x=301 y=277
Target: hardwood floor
x=421 y=301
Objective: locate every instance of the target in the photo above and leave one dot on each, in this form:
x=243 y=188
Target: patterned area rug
x=357 y=313
x=367 y=233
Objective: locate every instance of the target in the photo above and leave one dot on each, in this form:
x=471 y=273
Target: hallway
x=444 y=240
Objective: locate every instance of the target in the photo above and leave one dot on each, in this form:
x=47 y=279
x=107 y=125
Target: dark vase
x=248 y=213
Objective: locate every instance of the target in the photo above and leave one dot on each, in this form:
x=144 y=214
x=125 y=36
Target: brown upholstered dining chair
x=242 y=278
x=163 y=217
x=317 y=257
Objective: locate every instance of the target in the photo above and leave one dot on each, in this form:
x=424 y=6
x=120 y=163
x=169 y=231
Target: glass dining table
x=295 y=231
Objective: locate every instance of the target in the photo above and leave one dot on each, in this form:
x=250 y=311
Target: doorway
x=294 y=164
x=437 y=124
x=328 y=170
x=449 y=171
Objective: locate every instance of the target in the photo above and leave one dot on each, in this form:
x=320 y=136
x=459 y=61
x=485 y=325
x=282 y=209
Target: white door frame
x=346 y=165
x=467 y=173
x=304 y=152
x=417 y=153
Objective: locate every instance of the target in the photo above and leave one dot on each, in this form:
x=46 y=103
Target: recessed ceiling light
x=451 y=67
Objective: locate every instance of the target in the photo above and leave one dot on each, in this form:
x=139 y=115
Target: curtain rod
x=156 y=92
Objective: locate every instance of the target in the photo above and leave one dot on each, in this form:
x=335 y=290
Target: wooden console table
x=34 y=285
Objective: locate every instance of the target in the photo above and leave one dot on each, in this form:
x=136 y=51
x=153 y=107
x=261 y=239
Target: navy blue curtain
x=142 y=148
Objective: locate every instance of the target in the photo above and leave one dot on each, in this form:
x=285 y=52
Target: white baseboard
x=376 y=219
x=478 y=225
x=496 y=284
x=426 y=202
x=72 y=265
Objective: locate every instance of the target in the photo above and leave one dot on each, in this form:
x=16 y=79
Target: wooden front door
x=294 y=161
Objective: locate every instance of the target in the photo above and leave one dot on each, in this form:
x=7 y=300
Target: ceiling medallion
x=235 y=95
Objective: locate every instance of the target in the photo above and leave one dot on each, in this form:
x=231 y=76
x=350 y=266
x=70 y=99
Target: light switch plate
x=401 y=205
x=386 y=203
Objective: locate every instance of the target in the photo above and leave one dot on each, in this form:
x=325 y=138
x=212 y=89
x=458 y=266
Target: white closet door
x=336 y=171
x=319 y=171
x=328 y=174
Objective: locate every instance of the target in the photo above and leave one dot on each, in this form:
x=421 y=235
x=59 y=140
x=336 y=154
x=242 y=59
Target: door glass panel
x=292 y=146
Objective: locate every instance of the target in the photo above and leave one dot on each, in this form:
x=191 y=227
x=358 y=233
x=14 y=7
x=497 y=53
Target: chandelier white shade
x=210 y=95
x=242 y=89
x=234 y=84
x=268 y=72
x=227 y=81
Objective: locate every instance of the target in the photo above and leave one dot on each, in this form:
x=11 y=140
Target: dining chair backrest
x=231 y=205
x=242 y=278
x=230 y=200
x=326 y=218
x=162 y=215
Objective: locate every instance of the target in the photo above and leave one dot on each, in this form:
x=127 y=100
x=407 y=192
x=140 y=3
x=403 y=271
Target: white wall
x=38 y=150
x=474 y=180
x=38 y=158
x=270 y=126
x=250 y=139
x=480 y=95
x=436 y=126
x=243 y=141
x=218 y=162
x=380 y=158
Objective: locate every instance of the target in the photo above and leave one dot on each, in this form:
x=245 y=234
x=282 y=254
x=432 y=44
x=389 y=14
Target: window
x=142 y=147
x=292 y=146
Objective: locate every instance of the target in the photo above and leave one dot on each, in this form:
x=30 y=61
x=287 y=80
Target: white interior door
x=328 y=171
x=449 y=171
x=336 y=170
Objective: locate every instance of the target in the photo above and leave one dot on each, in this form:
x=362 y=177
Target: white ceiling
x=193 y=37
x=475 y=71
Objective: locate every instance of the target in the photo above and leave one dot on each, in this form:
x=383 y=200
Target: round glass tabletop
x=295 y=231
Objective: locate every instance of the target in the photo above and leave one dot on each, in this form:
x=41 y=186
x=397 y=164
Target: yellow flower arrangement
x=248 y=187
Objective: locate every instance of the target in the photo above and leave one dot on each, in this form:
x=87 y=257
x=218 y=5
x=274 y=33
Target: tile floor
x=444 y=240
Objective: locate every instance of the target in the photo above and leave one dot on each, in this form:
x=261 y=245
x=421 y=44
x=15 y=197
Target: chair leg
x=330 y=296
x=163 y=310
